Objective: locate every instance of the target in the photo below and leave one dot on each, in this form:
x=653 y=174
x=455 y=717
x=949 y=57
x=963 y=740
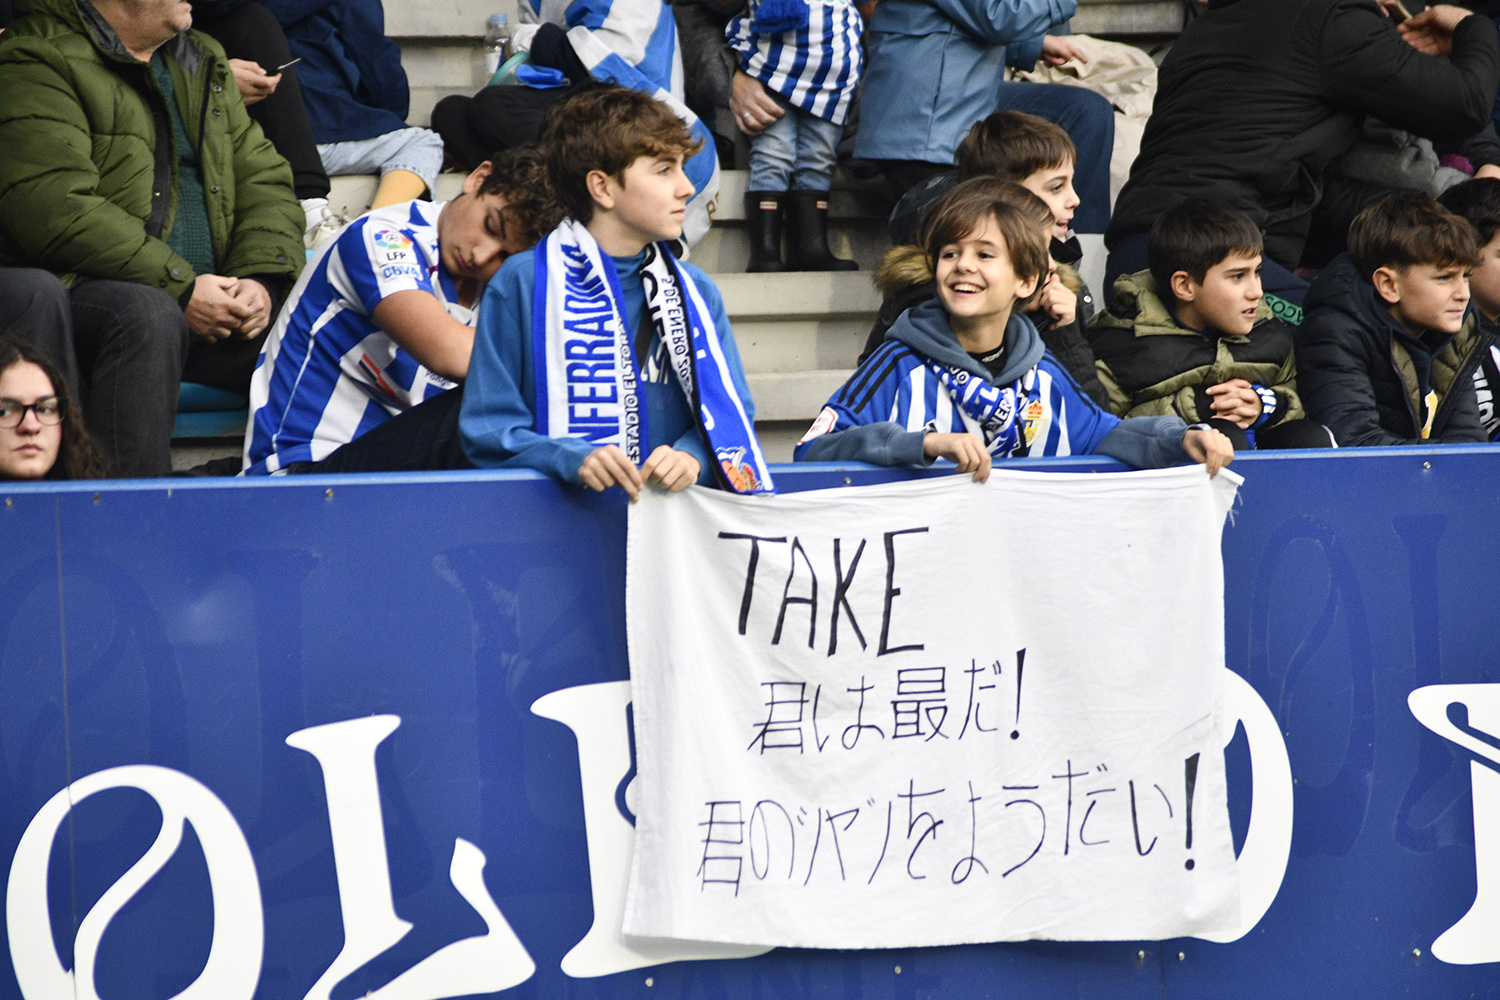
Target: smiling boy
x=965 y=376
x=600 y=360
x=383 y=318
x=1039 y=156
x=1194 y=336
x=1388 y=350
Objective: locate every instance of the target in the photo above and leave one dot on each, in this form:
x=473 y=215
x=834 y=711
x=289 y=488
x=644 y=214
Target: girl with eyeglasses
x=41 y=437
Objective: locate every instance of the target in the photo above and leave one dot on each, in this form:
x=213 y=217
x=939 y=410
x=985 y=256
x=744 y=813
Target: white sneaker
x=323 y=224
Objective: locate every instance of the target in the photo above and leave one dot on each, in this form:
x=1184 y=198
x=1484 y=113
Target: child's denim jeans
x=796 y=152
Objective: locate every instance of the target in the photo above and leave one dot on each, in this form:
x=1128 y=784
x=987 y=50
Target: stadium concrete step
x=799 y=335
x=799 y=321
x=1129 y=20
x=856 y=225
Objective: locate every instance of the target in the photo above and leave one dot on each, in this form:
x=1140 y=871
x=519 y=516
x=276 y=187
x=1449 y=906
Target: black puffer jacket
x=1365 y=377
x=1151 y=364
x=1257 y=96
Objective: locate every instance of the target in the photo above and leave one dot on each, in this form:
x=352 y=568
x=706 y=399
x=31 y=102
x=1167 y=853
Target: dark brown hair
x=1013 y=145
x=1476 y=201
x=1195 y=235
x=964 y=209
x=1402 y=230
x=78 y=457
x=1013 y=194
x=905 y=266
x=530 y=203
x=608 y=129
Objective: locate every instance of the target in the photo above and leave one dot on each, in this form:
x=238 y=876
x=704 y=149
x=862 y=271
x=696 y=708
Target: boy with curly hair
x=382 y=320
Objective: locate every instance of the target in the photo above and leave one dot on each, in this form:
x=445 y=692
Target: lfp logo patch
x=390 y=239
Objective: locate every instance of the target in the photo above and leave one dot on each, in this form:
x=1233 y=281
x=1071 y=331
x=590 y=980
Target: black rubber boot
x=763 y=225
x=807 y=232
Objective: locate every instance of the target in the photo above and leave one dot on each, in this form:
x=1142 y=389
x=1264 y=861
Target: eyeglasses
x=48 y=411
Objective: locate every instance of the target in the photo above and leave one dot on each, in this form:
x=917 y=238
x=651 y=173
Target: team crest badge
x=741 y=474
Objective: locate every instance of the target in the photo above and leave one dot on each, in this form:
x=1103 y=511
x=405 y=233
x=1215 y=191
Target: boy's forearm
x=884 y=443
x=491 y=447
x=418 y=322
x=1354 y=421
x=1146 y=442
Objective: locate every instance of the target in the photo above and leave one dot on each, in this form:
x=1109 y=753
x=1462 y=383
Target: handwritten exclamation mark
x=1190 y=779
x=1015 y=734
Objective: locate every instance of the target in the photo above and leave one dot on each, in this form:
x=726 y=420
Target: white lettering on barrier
x=1262 y=860
x=488 y=963
x=597 y=715
x=1475 y=939
x=497 y=960
x=234 y=956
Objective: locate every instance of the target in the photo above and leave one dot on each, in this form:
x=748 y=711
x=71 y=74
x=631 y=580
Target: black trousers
x=1287 y=434
x=251 y=32
x=495 y=119
x=423 y=439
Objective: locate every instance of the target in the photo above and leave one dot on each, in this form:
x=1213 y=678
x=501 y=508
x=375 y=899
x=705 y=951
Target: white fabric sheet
x=810 y=790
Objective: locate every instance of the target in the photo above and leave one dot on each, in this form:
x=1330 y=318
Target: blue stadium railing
x=193 y=625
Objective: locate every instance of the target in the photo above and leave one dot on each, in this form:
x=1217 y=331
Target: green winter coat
x=1153 y=366
x=88 y=161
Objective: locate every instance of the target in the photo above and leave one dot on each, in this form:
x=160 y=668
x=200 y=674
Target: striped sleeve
x=380 y=258
x=1078 y=424
x=873 y=417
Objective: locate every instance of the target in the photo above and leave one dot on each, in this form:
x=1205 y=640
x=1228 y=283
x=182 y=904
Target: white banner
x=931 y=712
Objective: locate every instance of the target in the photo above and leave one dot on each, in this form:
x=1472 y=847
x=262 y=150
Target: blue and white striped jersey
x=327 y=373
x=896 y=385
x=816 y=68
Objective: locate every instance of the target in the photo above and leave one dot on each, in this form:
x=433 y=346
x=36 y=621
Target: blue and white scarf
x=588 y=381
x=633 y=43
x=988 y=409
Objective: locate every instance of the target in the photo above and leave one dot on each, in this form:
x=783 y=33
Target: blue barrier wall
x=196 y=625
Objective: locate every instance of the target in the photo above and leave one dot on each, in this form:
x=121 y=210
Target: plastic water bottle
x=496 y=43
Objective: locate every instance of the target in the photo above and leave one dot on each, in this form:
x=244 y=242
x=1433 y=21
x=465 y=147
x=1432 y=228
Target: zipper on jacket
x=1416 y=425
x=208 y=82
x=1465 y=370
x=161 y=180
